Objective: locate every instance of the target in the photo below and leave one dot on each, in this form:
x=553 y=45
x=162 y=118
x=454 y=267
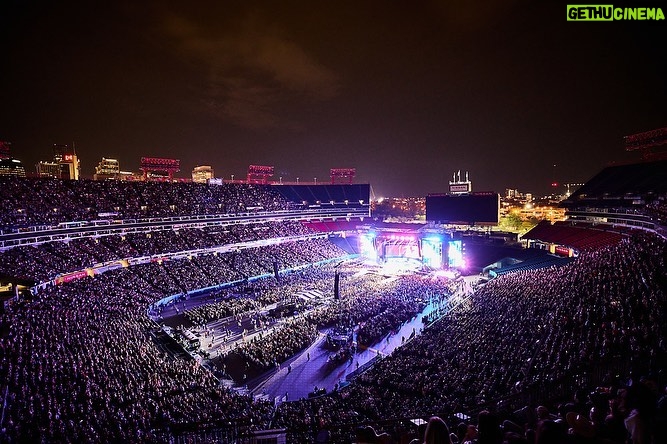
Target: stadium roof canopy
x=623 y=182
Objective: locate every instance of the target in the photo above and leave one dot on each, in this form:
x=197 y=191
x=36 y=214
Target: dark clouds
x=406 y=92
x=251 y=70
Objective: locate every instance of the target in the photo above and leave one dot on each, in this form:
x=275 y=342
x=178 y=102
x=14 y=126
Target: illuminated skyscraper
x=11 y=167
x=66 y=157
x=48 y=169
x=107 y=169
x=8 y=165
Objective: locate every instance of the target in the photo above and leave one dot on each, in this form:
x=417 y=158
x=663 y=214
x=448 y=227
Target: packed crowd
x=520 y=330
x=32 y=202
x=617 y=412
x=373 y=303
x=658 y=209
x=406 y=300
x=45 y=261
x=80 y=367
x=78 y=362
x=186 y=275
x=269 y=350
x=96 y=376
x=258 y=294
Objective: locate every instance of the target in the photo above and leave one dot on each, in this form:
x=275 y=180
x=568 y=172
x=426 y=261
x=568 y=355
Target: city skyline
x=109 y=169
x=406 y=94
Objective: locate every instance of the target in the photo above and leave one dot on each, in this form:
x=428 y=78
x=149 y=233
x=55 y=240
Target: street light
x=297 y=180
x=232 y=178
x=315 y=178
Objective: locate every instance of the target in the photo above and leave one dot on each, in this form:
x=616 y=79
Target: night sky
x=405 y=92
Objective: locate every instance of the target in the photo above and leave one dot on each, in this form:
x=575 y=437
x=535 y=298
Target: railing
x=4 y=407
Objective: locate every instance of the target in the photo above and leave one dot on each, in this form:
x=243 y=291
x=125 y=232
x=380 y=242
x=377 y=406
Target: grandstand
x=534 y=263
x=622 y=184
x=33 y=203
x=576 y=236
x=614 y=203
x=223 y=271
x=622 y=195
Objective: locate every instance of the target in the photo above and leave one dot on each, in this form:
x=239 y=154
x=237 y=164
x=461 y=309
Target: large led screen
x=467 y=209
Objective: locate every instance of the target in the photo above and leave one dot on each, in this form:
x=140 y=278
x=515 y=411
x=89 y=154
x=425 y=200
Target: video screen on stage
x=455 y=254
x=432 y=252
x=481 y=208
x=367 y=246
x=410 y=251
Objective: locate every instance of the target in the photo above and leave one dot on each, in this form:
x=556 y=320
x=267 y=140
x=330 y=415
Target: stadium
x=255 y=313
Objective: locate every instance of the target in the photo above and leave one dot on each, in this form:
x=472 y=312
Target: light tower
x=645 y=143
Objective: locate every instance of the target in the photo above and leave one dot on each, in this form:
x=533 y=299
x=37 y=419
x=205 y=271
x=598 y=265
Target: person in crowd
x=437 y=432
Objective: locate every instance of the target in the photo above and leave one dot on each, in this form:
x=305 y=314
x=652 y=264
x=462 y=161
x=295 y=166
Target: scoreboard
x=466 y=209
